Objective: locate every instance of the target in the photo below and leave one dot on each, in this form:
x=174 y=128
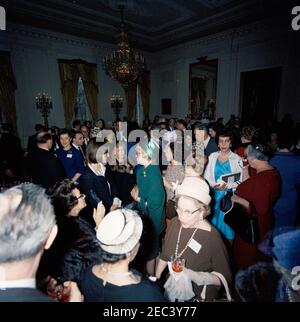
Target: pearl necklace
x=186 y=246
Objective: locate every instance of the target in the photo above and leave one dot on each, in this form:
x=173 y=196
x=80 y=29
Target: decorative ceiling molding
x=153 y=26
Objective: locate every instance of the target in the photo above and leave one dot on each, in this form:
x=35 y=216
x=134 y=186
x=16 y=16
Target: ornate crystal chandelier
x=123 y=64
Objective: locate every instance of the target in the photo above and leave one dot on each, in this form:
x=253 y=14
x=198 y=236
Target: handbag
x=228 y=297
x=225 y=203
x=170 y=209
x=243 y=223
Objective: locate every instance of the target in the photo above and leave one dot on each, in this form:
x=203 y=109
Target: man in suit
x=11 y=155
x=204 y=143
x=27 y=228
x=77 y=142
x=86 y=136
x=31 y=145
x=42 y=166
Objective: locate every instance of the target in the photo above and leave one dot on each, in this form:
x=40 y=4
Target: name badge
x=69 y=155
x=195 y=246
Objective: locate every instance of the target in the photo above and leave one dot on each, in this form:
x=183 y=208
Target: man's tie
x=82 y=152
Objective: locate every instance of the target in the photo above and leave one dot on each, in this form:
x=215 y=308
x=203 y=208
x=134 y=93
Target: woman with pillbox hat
x=119 y=234
x=149 y=194
x=192 y=238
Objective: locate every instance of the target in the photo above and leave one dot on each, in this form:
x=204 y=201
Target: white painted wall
x=34 y=55
x=256 y=46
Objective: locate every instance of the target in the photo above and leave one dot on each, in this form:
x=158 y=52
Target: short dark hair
x=92 y=149
x=215 y=126
x=224 y=133
x=76 y=123
x=65 y=131
x=39 y=127
x=86 y=122
x=183 y=122
x=43 y=137
x=76 y=132
x=103 y=123
x=249 y=132
x=63 y=200
x=111 y=258
x=201 y=127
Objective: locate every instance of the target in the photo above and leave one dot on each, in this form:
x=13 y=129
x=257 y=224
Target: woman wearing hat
x=262 y=190
x=192 y=238
x=150 y=196
x=119 y=234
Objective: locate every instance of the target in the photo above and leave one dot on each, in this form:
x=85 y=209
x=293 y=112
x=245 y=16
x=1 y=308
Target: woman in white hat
x=192 y=238
x=119 y=234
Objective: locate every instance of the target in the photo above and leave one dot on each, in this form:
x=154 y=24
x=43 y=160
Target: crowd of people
x=91 y=213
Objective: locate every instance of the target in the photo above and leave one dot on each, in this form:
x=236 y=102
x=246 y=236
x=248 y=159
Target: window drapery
x=70 y=71
x=7 y=89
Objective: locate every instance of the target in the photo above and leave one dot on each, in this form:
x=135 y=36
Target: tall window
x=81 y=108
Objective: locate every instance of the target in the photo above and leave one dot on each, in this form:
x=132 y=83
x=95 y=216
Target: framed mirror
x=203 y=89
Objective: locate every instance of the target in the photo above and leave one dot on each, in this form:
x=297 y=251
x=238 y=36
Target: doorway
x=203 y=89
x=259 y=96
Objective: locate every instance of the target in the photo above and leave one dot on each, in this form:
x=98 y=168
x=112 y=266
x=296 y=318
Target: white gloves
x=178 y=286
x=200 y=278
x=175 y=185
x=117 y=202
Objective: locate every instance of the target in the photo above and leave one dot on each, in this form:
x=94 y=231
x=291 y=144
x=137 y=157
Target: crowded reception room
x=150 y=151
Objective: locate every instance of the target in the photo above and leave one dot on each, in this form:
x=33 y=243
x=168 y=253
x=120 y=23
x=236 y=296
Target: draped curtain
x=130 y=94
x=7 y=89
x=145 y=92
x=88 y=73
x=70 y=71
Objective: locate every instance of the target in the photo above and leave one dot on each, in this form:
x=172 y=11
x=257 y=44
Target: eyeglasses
x=81 y=196
x=186 y=212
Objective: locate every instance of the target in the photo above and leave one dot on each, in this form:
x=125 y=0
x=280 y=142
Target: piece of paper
x=195 y=246
x=231 y=177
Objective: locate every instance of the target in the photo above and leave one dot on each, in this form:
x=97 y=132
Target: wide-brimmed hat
x=196 y=188
x=120 y=231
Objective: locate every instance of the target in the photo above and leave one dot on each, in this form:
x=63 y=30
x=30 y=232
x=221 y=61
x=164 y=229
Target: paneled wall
x=257 y=46
x=34 y=55
x=261 y=45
